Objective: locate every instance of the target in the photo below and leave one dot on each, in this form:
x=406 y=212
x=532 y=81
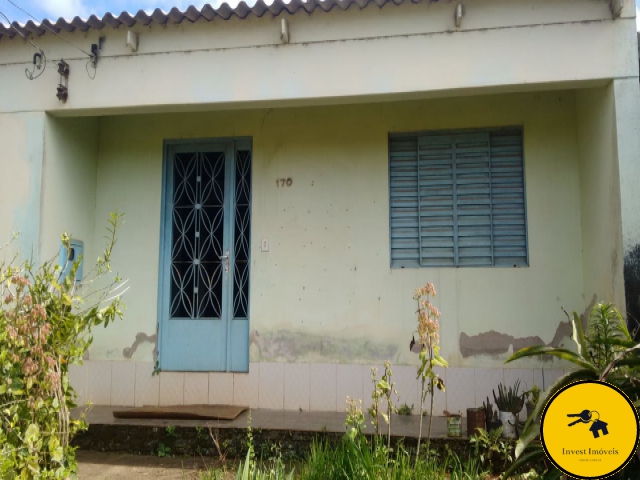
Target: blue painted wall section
x=26 y=217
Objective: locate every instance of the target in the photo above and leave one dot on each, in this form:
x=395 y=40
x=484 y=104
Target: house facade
x=291 y=174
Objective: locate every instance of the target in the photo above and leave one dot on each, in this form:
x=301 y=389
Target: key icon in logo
x=590 y=416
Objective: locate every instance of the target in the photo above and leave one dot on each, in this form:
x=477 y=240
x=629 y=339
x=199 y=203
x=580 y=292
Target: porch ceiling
x=329 y=101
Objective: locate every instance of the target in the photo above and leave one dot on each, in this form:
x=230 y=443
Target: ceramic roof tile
x=191 y=14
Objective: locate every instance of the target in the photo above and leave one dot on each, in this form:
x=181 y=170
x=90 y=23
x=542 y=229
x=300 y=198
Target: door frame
x=166 y=205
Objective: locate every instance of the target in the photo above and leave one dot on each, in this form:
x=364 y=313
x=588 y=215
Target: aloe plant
x=489 y=414
x=606 y=352
x=508 y=399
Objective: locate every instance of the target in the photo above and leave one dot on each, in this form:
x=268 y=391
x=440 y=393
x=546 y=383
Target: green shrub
x=45 y=326
x=605 y=352
x=405 y=409
x=492 y=452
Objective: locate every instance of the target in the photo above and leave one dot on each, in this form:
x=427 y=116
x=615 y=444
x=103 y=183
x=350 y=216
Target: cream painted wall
x=22 y=140
x=600 y=195
x=326 y=279
x=69 y=184
x=627 y=137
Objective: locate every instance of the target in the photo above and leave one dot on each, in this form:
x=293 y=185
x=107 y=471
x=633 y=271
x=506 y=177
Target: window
x=458 y=199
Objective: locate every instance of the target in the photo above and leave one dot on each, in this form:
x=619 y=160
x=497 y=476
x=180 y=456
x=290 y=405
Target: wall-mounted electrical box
x=68 y=258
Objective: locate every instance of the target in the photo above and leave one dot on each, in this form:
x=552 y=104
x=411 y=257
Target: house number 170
x=284 y=182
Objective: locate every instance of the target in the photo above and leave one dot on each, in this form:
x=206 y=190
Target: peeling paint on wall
x=497 y=343
x=288 y=346
x=632 y=287
x=494 y=343
x=142 y=338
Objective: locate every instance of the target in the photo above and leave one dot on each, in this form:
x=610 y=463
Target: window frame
x=461 y=131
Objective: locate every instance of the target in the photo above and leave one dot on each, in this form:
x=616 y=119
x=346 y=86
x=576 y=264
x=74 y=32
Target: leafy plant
x=533 y=395
x=46 y=319
x=405 y=409
x=376 y=394
x=383 y=388
x=387 y=387
x=606 y=334
x=606 y=340
x=164 y=450
x=354 y=423
x=429 y=338
x=491 y=450
x=249 y=470
x=508 y=399
x=251 y=452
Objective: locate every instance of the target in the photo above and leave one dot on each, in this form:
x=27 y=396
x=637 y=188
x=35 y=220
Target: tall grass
x=369 y=459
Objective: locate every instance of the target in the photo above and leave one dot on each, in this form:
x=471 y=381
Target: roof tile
x=176 y=16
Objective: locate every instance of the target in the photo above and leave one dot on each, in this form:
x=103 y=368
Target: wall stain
x=632 y=288
x=497 y=343
x=141 y=337
x=290 y=346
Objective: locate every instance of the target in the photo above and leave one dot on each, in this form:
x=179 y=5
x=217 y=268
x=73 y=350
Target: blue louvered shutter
x=403 y=202
x=436 y=173
x=509 y=220
x=473 y=199
x=457 y=200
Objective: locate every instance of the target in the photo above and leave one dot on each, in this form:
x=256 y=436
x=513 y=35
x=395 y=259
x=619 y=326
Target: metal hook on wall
x=39 y=65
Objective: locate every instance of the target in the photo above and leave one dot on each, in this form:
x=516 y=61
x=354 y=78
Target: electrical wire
x=19 y=32
x=95 y=69
x=92 y=58
x=50 y=29
x=42 y=65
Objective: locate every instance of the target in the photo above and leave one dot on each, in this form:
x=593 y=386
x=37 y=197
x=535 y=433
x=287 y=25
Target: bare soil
x=107 y=466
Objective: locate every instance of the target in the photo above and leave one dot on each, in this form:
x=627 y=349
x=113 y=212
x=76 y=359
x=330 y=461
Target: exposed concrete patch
x=288 y=346
x=141 y=338
x=632 y=287
x=494 y=343
x=497 y=343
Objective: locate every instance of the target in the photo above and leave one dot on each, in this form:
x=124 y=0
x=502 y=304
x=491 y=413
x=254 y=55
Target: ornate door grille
x=198 y=234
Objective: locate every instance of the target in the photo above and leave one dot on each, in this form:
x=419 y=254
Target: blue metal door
x=204 y=257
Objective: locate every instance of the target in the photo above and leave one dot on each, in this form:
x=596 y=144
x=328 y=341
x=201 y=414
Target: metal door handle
x=225 y=258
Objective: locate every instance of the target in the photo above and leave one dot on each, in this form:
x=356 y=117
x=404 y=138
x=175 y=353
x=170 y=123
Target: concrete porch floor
x=401 y=426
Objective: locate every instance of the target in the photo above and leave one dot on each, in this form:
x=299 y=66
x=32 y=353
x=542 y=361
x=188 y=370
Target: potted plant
x=533 y=397
x=491 y=416
x=509 y=403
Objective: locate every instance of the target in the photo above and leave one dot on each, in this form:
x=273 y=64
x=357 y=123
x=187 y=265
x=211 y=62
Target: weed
x=374 y=409
x=492 y=451
x=163 y=450
x=430 y=357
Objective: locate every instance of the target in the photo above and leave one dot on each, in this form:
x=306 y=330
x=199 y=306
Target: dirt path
x=101 y=466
